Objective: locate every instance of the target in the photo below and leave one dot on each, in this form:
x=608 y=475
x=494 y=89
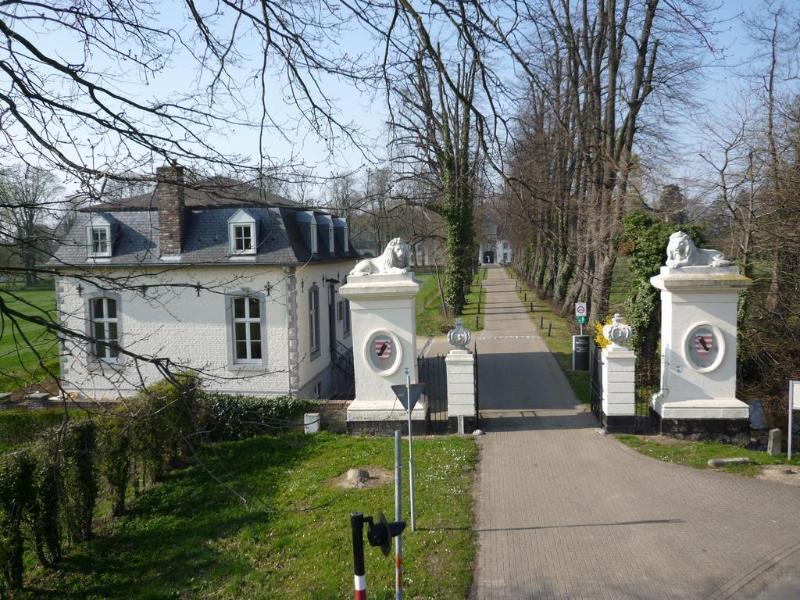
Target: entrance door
x=332 y=319
x=488 y=258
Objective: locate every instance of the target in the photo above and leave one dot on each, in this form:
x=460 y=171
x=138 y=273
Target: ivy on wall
x=644 y=239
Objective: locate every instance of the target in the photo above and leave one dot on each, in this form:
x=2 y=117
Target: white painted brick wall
x=173 y=322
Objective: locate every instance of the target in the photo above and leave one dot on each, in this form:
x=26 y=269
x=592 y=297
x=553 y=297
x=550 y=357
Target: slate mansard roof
x=135 y=233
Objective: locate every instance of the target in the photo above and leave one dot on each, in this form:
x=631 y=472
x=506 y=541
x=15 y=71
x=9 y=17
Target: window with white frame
x=98 y=240
x=247 y=329
x=242 y=230
x=313 y=236
x=313 y=319
x=331 y=239
x=105 y=328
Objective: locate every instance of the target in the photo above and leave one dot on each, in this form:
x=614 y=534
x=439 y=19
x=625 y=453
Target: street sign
x=580 y=309
x=402 y=395
x=582 y=320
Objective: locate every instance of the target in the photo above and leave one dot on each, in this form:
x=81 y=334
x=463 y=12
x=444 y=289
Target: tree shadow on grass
x=177 y=532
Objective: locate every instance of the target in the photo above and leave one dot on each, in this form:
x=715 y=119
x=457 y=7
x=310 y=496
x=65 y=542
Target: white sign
x=580 y=309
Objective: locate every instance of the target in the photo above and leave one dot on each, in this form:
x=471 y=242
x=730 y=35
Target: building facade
x=242 y=291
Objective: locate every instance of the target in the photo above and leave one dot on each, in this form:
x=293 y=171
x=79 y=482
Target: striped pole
x=359 y=576
x=398 y=515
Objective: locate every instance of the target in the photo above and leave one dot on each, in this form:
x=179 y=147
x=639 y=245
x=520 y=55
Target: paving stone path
x=566 y=512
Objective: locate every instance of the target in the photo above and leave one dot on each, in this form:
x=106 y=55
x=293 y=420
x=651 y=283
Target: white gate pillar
x=382 y=292
x=460 y=366
x=619 y=379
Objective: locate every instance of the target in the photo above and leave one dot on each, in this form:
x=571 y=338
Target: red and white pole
x=359 y=576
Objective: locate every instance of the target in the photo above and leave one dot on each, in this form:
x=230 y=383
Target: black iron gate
x=431 y=371
x=596 y=379
x=477 y=395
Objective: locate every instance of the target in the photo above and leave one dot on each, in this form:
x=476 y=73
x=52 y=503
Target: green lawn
x=559 y=339
x=430 y=320
x=27 y=351
x=697 y=454
x=192 y=537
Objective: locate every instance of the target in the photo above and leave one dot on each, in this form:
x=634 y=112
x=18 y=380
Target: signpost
x=794 y=395
x=408 y=395
x=581 y=314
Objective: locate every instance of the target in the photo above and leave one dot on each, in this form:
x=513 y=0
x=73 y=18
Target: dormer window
x=314 y=245
x=98 y=237
x=242 y=232
x=307 y=222
x=100 y=241
x=242 y=239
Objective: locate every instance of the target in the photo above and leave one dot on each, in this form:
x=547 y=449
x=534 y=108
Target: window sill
x=315 y=354
x=95 y=364
x=247 y=366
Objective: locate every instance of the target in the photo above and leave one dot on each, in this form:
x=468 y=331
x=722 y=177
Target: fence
x=596 y=378
x=432 y=371
x=643 y=422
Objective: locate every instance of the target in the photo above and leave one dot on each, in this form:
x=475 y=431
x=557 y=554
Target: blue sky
x=366 y=109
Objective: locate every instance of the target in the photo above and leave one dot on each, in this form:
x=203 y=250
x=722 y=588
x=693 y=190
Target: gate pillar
x=619 y=379
x=460 y=381
x=382 y=294
x=699 y=304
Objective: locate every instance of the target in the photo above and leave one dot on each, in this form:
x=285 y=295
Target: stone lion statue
x=681 y=252
x=394 y=260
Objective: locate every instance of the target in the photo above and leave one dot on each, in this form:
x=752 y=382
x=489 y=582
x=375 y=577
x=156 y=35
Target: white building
x=495 y=251
x=215 y=278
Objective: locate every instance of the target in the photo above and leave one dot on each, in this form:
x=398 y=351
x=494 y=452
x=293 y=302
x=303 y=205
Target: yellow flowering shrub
x=599 y=338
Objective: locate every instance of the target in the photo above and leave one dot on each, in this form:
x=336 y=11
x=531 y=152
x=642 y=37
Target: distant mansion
x=493 y=249
x=240 y=286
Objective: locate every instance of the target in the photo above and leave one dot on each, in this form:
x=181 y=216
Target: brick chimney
x=169 y=199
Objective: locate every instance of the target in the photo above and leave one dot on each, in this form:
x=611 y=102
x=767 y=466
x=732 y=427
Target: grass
x=697 y=454
x=20 y=364
x=430 y=320
x=559 y=340
x=192 y=537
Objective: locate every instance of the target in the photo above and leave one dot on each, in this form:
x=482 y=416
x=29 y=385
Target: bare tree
x=30 y=201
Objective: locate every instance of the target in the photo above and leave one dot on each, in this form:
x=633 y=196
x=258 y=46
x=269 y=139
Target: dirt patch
x=781 y=473
x=377 y=476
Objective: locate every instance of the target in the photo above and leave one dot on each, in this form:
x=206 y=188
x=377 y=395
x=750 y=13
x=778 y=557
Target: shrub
x=45 y=510
x=238 y=417
x=115 y=460
x=16 y=496
x=80 y=478
x=167 y=417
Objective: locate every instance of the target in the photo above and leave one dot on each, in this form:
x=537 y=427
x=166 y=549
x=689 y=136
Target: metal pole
x=398 y=515
x=791 y=410
x=410 y=457
x=359 y=577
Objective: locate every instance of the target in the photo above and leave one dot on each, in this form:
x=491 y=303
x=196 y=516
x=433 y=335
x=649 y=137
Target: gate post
x=460 y=366
x=619 y=380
